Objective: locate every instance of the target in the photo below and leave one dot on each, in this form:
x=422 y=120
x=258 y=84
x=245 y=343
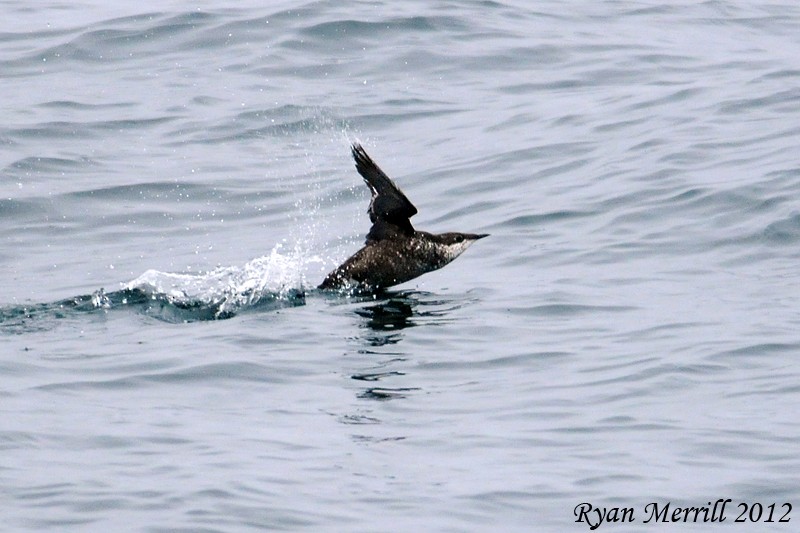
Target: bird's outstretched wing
x=389 y=209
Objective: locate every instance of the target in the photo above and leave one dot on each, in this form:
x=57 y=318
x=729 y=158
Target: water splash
x=270 y=282
x=270 y=279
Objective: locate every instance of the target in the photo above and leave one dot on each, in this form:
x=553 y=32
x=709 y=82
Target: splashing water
x=274 y=281
x=226 y=290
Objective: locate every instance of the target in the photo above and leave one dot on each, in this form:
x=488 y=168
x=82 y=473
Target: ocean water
x=176 y=179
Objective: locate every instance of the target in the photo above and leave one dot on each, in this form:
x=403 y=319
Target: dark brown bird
x=394 y=251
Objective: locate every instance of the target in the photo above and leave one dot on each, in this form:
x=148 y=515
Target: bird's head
x=456 y=243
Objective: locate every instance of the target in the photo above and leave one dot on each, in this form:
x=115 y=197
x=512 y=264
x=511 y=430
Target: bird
x=394 y=252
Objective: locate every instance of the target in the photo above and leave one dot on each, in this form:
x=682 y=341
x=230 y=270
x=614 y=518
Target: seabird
x=394 y=251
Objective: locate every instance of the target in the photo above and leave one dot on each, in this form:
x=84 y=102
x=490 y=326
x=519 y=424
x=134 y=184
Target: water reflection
x=384 y=320
x=385 y=317
x=385 y=366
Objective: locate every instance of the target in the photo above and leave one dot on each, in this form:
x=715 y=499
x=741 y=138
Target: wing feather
x=389 y=209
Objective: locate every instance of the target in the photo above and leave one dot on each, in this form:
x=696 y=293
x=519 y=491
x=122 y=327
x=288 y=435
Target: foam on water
x=272 y=273
x=269 y=282
x=276 y=276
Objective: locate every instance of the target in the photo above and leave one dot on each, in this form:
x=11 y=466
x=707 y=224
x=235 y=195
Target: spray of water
x=276 y=276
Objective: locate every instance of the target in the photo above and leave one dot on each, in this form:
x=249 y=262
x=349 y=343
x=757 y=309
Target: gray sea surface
x=175 y=179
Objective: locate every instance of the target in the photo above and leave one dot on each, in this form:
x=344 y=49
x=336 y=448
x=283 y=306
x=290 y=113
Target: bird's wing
x=389 y=209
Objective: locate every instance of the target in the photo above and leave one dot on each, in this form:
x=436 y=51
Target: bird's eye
x=459 y=239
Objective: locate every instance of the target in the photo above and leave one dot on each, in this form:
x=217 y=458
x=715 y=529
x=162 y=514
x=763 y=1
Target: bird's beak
x=481 y=236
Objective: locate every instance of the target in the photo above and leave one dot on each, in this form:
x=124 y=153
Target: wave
x=270 y=282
